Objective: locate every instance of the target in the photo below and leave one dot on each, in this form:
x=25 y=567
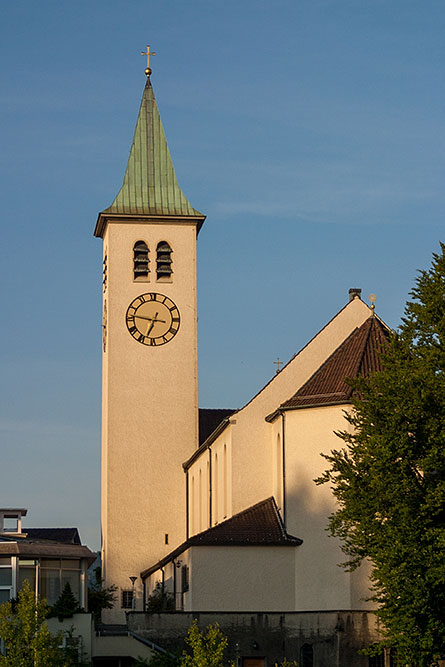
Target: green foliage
x=164 y=660
x=100 y=597
x=160 y=600
x=389 y=478
x=66 y=605
x=26 y=636
x=206 y=649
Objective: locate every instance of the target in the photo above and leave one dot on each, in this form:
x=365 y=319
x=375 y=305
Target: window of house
x=5 y=579
x=127 y=599
x=54 y=574
x=184 y=578
x=164 y=261
x=140 y=261
x=11 y=524
x=26 y=572
x=306 y=655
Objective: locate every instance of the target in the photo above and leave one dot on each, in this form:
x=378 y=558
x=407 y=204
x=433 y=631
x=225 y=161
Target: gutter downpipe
x=163 y=584
x=210 y=487
x=284 y=469
x=187 y=508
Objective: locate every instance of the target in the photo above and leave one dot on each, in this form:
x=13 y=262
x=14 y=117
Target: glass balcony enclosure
x=47 y=577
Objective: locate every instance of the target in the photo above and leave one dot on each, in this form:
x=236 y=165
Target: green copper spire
x=150 y=186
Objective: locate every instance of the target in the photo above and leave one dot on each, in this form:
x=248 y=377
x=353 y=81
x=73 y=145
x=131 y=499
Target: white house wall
x=252 y=466
x=242 y=579
x=215 y=464
x=251 y=469
x=320 y=583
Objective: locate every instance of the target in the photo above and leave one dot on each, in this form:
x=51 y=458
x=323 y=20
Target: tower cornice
x=104 y=219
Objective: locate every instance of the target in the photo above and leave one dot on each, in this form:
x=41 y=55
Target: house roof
x=150 y=186
x=259 y=525
x=64 y=535
x=30 y=548
x=359 y=354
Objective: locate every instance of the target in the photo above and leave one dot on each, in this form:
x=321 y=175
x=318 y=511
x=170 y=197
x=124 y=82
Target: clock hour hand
x=153 y=320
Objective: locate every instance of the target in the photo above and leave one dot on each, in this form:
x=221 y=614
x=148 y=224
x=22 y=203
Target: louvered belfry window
x=140 y=261
x=164 y=261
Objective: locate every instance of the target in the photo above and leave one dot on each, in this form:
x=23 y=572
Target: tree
x=160 y=600
x=100 y=597
x=26 y=636
x=389 y=478
x=206 y=648
x=66 y=605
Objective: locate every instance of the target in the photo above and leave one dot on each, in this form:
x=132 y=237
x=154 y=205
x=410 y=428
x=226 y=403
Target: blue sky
x=310 y=132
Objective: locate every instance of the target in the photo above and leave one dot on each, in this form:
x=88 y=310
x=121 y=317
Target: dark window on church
x=164 y=261
x=140 y=260
x=127 y=599
x=306 y=656
x=184 y=578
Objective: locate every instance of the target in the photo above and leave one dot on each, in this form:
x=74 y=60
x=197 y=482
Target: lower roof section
x=259 y=525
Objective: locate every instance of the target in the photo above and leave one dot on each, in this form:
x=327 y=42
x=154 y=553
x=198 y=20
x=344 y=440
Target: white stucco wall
x=252 y=473
x=149 y=416
x=252 y=468
x=320 y=583
x=241 y=579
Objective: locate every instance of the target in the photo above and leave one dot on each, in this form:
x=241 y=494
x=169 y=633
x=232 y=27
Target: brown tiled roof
x=209 y=419
x=259 y=525
x=358 y=355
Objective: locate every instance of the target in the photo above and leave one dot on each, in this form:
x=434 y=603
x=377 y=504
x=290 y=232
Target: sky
x=311 y=134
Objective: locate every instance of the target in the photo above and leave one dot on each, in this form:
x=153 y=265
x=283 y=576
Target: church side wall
x=320 y=583
x=241 y=579
x=252 y=475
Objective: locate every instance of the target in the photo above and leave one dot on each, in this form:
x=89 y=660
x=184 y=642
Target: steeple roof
x=150 y=186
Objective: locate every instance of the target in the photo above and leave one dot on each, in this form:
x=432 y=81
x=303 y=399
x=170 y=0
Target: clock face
x=152 y=319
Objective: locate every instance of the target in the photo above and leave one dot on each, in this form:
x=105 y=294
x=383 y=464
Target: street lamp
x=133 y=599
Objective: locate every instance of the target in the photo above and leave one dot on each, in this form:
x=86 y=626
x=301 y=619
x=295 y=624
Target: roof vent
x=353 y=292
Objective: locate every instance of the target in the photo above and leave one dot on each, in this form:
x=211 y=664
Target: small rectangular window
x=5 y=576
x=11 y=524
x=127 y=599
x=185 y=578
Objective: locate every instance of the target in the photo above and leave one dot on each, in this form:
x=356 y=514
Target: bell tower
x=149 y=359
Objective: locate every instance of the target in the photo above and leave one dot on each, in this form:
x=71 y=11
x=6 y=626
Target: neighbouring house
x=47 y=557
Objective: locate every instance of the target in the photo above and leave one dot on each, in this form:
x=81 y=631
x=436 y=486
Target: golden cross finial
x=148 y=53
x=278 y=363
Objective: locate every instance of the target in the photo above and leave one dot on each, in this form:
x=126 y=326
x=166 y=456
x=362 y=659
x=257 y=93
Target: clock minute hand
x=150 y=319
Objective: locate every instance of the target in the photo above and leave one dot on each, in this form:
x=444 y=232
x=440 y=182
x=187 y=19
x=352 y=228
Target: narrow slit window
x=140 y=261
x=164 y=261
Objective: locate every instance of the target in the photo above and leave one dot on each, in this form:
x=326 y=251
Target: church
x=212 y=513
